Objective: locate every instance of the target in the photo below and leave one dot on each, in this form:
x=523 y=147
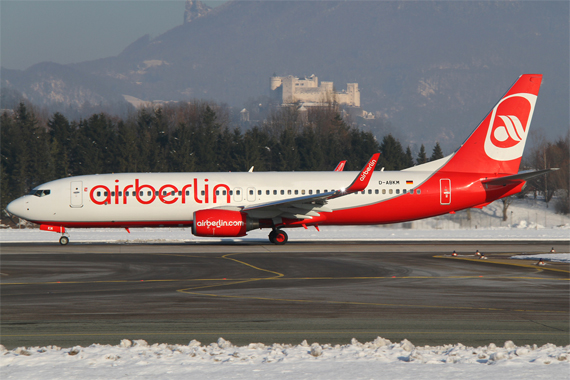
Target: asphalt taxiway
x=326 y=292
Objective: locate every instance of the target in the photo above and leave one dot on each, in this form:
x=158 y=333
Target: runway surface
x=328 y=293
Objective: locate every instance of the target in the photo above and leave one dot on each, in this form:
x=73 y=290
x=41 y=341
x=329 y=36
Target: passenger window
x=303 y=192
x=98 y=193
x=369 y=191
x=164 y=193
x=363 y=192
x=267 y=192
x=120 y=193
x=296 y=192
x=397 y=191
x=250 y=192
x=383 y=191
x=238 y=192
x=288 y=192
x=404 y=191
x=274 y=192
x=203 y=192
x=217 y=192
x=141 y=193
x=173 y=193
x=180 y=193
x=105 y=193
x=149 y=193
x=259 y=192
x=318 y=191
x=282 y=192
x=419 y=192
x=224 y=192
x=231 y=192
x=390 y=191
x=325 y=191
x=310 y=192
x=376 y=191
x=187 y=192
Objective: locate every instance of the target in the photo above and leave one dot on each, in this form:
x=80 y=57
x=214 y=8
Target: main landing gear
x=278 y=237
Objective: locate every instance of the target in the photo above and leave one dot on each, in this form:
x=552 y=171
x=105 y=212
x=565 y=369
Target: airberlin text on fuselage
x=168 y=194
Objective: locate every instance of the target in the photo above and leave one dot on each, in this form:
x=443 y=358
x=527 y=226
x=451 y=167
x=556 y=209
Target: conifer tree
x=392 y=153
x=422 y=157
x=408 y=158
x=437 y=152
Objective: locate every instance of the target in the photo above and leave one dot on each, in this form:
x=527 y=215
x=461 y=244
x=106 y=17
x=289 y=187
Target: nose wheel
x=63 y=240
x=278 y=237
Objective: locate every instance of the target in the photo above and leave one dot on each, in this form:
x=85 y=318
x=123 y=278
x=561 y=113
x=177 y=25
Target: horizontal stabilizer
x=519 y=177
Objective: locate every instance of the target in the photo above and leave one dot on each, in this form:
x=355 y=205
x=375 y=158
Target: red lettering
x=139 y=188
x=161 y=196
x=206 y=191
x=125 y=193
x=184 y=193
x=227 y=192
x=196 y=191
x=116 y=194
x=106 y=200
x=170 y=189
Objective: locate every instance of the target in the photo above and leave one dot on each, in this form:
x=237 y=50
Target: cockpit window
x=40 y=193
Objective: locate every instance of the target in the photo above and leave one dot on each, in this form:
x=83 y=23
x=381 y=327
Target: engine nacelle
x=223 y=223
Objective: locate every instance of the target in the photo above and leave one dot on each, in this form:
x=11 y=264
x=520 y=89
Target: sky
x=70 y=31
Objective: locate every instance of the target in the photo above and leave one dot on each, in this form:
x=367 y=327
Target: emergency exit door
x=76 y=194
x=445 y=191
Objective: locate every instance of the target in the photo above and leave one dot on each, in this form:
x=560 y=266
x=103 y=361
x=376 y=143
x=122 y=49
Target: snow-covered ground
x=528 y=220
x=379 y=359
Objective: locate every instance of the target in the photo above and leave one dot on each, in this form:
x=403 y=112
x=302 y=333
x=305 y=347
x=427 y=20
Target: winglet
x=340 y=166
x=361 y=181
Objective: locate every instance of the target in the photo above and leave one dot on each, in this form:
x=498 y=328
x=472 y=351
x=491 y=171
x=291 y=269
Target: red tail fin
x=497 y=144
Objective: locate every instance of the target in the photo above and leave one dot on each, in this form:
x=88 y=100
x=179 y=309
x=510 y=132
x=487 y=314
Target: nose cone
x=16 y=207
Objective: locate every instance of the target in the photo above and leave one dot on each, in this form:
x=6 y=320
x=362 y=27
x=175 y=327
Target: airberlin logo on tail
x=368 y=169
x=508 y=127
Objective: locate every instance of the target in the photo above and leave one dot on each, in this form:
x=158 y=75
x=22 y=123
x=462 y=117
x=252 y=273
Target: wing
x=308 y=206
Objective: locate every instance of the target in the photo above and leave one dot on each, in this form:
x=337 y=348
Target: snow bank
x=138 y=359
x=553 y=257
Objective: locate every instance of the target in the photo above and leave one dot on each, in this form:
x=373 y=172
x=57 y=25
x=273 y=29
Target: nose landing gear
x=63 y=240
x=278 y=237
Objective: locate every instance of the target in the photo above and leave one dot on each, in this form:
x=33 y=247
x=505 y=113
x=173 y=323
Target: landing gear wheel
x=63 y=240
x=272 y=237
x=279 y=237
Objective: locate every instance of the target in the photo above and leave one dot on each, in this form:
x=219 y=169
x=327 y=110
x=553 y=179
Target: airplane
x=484 y=169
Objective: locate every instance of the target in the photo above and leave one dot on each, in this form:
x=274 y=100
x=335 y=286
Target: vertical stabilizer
x=497 y=144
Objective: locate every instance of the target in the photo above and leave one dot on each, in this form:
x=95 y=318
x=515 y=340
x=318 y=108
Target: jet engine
x=222 y=223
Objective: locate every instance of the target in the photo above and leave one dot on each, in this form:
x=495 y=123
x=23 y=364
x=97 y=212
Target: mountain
x=431 y=68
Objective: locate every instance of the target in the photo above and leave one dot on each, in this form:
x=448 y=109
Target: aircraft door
x=76 y=194
x=238 y=196
x=445 y=191
x=251 y=194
